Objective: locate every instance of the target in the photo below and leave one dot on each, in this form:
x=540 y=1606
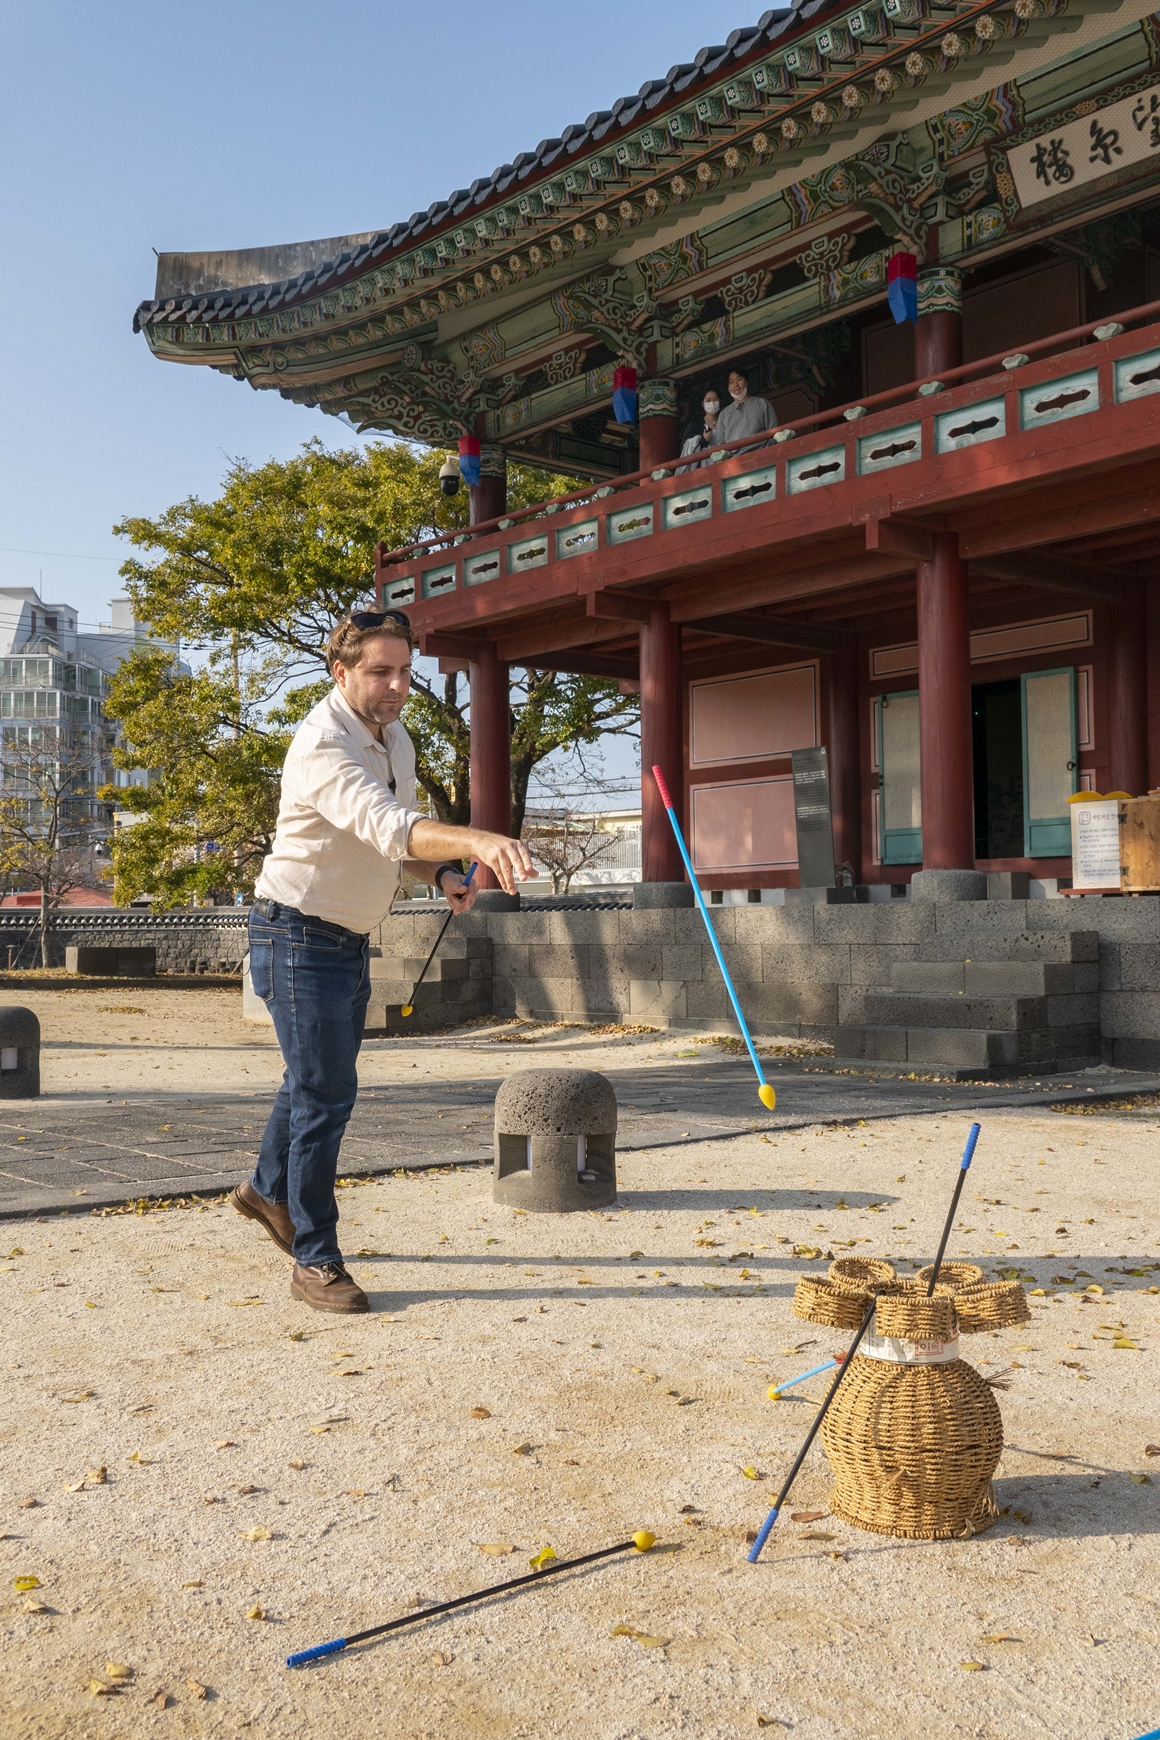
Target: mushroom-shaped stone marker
x=19 y=1053
x=555 y=1141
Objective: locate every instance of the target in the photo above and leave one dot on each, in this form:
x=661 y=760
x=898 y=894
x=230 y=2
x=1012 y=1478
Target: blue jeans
x=314 y=977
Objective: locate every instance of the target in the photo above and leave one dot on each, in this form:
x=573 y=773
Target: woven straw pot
x=913 y=1446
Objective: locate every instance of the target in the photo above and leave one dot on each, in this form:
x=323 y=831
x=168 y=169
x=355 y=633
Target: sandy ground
x=328 y=1474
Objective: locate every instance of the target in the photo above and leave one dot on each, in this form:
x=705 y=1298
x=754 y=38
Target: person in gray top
x=745 y=416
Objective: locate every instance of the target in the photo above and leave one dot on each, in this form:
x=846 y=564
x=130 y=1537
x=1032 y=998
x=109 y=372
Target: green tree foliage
x=254 y=581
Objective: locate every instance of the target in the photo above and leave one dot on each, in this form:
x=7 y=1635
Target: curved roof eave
x=654 y=94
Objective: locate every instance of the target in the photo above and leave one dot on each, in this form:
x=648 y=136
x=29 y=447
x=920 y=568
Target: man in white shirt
x=745 y=416
x=347 y=829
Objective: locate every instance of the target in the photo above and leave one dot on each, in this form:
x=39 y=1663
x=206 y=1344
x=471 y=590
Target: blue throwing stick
x=409 y=1007
x=641 y=1541
x=964 y=1168
x=765 y=1093
x=775 y=1390
x=763 y=1532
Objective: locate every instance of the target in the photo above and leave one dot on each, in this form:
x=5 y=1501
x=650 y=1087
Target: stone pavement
x=62 y=1153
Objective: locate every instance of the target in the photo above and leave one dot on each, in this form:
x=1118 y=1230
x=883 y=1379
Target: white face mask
x=743 y=393
x=712 y=406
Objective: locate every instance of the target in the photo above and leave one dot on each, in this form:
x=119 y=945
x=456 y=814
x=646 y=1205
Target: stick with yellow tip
x=765 y=1093
x=546 y=1564
x=409 y=1008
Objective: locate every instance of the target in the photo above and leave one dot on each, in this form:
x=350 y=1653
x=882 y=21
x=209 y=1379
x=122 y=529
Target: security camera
x=449 y=478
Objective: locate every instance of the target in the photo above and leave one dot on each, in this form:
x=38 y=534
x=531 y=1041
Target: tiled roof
x=653 y=94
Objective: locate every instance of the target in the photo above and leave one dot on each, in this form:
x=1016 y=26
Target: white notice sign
x=1067 y=157
x=1095 y=844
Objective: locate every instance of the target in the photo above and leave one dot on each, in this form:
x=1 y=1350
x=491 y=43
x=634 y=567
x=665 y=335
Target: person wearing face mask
x=700 y=432
x=745 y=416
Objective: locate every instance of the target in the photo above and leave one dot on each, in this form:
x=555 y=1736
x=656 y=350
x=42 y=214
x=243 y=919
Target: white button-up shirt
x=345 y=816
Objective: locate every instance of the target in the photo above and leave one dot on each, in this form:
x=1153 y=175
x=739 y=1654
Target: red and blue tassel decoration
x=469 y=459
x=624 y=394
x=902 y=287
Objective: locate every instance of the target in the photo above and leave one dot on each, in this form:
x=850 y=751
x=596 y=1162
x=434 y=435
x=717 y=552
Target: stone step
x=930 y=1047
x=922 y=1009
x=987 y=978
x=1000 y=942
x=441 y=971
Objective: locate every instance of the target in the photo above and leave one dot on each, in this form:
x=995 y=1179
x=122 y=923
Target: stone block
x=1019 y=978
x=803 y=965
x=544 y=996
x=510 y=959
x=516 y=927
x=903 y=1009
x=1073 y=1011
x=928 y=977
x=648 y=928
x=810 y=1005
x=708 y=998
x=1135 y=1054
x=894 y=921
x=1086 y=976
x=19 y=1053
x=656 y=999
x=885 y=1044
x=961 y=1048
x=777 y=924
x=640 y=960
x=684 y=961
x=558 y=960
x=1130 y=1014
x=117 y=962
x=649 y=896
x=1140 y=966
x=872 y=964
x=948 y=885
x=585 y=927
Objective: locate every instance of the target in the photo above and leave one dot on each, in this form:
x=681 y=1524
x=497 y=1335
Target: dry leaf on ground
x=807 y=1516
x=481 y=1413
x=117 y=1670
x=642 y=1637
x=1000 y=1637
x=497 y=1549
x=974 y=1667
x=196 y=1690
x=256 y=1534
x=441 y=1658
x=161 y=1699
x=545 y=1556
x=23 y=1583
x=256 y=1612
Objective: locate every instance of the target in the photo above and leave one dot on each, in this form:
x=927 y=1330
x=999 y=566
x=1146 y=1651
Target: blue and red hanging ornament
x=469 y=459
x=624 y=394
x=902 y=287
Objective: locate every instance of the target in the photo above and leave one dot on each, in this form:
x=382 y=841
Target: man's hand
x=460 y=895
x=430 y=842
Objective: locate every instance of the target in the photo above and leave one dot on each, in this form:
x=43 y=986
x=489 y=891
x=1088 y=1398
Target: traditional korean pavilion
x=941 y=562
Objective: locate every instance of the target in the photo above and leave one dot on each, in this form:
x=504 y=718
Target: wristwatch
x=439 y=874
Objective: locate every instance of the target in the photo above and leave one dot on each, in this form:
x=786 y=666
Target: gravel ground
x=322 y=1475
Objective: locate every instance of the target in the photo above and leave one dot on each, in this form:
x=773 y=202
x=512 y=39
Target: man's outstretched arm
x=431 y=843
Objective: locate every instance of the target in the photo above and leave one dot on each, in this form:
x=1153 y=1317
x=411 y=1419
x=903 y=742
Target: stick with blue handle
x=339 y=1643
x=968 y=1156
x=776 y=1390
x=409 y=1005
x=764 y=1092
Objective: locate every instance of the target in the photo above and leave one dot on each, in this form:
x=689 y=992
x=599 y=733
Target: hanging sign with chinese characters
x=1117 y=143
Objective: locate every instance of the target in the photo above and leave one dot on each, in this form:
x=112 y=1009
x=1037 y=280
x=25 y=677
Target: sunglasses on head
x=376 y=618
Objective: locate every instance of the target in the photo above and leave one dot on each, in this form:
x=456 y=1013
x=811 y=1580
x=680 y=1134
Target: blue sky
x=128 y=127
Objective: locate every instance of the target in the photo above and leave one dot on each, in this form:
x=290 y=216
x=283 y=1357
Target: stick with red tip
x=764 y=1092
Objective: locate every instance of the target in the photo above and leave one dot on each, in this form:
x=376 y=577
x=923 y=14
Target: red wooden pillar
x=938 y=335
x=660 y=432
x=660 y=743
x=1128 y=692
x=944 y=709
x=491 y=775
x=844 y=744
x=1153 y=686
x=489 y=496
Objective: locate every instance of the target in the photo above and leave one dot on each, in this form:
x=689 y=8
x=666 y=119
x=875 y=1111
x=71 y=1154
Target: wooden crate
x=1140 y=844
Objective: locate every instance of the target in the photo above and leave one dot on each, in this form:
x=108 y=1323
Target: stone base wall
x=206 y=940
x=799 y=971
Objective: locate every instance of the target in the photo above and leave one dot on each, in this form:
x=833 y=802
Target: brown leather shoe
x=274 y=1216
x=327 y=1287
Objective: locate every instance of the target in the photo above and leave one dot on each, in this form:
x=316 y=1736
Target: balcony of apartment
x=1042 y=463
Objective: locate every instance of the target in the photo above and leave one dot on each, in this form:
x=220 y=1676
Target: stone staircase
x=449 y=992
x=1017 y=1005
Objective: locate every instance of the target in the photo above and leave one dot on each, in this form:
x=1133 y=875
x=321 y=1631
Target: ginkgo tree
x=251 y=584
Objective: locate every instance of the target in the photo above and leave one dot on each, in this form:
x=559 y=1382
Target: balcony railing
x=985 y=401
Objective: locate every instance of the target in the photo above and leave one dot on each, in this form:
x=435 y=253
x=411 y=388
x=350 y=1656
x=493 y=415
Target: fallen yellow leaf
x=642 y=1637
x=225 y=1444
x=33 y=1606
x=522 y=1450
x=297 y=1463
x=116 y=1670
x=497 y=1549
x=481 y=1413
x=98 y=1476
x=544 y=1557
x=24 y=1583
x=98 y=1689
x=751 y=1474
x=1126 y=1342
x=195 y=1690
x=999 y=1637
x=256 y=1612
x=256 y=1534
x=196 y=1584
x=974 y=1667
